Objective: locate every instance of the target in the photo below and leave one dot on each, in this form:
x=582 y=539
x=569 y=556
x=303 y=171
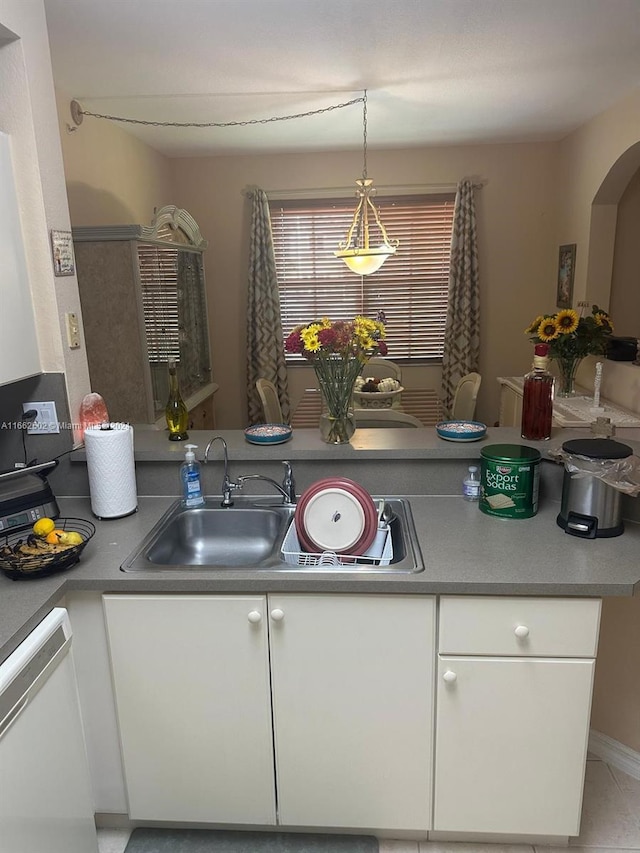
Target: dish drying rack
x=380 y=552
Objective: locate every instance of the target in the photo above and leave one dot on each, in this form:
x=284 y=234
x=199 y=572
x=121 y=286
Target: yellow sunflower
x=533 y=328
x=310 y=337
x=567 y=321
x=603 y=319
x=548 y=329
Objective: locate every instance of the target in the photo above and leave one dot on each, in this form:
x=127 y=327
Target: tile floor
x=610 y=822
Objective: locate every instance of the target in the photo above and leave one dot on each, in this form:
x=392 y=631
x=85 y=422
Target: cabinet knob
x=521 y=632
x=450 y=676
x=277 y=615
x=254 y=616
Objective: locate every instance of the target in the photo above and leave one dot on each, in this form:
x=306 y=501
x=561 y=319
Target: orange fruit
x=55 y=537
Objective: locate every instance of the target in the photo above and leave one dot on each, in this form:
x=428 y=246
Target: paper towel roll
x=111 y=469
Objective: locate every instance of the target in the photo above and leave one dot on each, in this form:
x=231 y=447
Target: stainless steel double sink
x=249 y=535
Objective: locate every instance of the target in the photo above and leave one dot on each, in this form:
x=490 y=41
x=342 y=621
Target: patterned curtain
x=462 y=331
x=265 y=346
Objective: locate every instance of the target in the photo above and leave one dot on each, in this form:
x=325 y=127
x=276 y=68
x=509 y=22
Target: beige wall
x=596 y=163
x=625 y=283
x=112 y=177
x=616 y=701
x=516 y=244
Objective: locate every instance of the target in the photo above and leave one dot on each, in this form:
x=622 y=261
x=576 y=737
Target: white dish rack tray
x=379 y=554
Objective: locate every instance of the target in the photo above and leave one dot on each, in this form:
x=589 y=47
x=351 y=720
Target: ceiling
x=437 y=72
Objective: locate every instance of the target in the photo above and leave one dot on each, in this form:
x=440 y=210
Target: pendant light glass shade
x=356 y=250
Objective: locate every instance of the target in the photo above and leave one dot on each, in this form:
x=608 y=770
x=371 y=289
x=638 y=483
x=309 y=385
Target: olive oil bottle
x=176 y=411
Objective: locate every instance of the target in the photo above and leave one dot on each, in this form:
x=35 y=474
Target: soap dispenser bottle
x=190 y=478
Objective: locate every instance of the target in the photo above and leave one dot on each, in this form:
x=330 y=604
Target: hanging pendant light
x=356 y=249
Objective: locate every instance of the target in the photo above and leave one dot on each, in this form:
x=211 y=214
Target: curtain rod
x=388 y=189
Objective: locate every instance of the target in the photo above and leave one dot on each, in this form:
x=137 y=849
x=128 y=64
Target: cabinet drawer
x=557 y=627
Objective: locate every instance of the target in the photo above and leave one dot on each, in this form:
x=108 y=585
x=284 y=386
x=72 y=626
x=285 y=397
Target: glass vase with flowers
x=570 y=338
x=338 y=350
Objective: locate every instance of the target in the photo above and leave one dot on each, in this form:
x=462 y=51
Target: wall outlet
x=46 y=421
x=73 y=330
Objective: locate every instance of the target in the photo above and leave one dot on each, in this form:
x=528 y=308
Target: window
x=411 y=288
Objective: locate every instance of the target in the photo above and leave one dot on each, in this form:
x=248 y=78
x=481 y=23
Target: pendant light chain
x=364 y=134
x=80 y=113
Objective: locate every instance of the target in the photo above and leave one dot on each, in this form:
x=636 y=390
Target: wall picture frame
x=62 y=253
x=566 y=271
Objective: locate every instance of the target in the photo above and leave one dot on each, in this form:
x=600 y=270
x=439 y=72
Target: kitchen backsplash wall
x=40 y=388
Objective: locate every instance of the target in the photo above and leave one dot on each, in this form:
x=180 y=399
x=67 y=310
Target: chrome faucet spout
x=228 y=485
x=288 y=487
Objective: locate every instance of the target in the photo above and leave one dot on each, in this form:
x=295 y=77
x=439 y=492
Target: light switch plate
x=46 y=422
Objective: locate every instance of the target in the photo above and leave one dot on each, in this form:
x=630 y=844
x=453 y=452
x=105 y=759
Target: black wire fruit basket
x=24 y=555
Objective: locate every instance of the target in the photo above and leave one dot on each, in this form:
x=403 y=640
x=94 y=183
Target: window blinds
x=411 y=288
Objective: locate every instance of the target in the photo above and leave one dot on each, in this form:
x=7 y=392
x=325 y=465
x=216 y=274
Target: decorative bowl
x=461 y=430
x=268 y=433
x=376 y=399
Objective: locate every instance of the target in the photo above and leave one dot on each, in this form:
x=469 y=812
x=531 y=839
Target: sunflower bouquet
x=570 y=338
x=569 y=335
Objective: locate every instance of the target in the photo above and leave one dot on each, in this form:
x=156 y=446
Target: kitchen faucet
x=228 y=485
x=288 y=487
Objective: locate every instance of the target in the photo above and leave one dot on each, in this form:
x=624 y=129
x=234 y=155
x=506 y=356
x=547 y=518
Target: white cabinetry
x=351 y=685
x=514 y=695
x=191 y=685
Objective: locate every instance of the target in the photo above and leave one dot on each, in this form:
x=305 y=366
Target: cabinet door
x=511 y=742
x=510 y=407
x=192 y=693
x=353 y=705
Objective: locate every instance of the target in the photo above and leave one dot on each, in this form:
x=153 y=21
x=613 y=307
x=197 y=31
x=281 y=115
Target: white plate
x=336 y=514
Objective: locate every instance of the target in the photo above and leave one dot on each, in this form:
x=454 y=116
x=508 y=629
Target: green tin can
x=509 y=480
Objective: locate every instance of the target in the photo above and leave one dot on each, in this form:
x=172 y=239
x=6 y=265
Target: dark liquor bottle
x=537 y=402
x=176 y=411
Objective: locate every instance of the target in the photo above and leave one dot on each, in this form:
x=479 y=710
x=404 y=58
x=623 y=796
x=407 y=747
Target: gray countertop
x=464 y=551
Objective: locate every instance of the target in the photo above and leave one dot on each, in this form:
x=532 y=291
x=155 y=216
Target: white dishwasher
x=45 y=795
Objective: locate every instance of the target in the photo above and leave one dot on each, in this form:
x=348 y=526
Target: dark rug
x=147 y=840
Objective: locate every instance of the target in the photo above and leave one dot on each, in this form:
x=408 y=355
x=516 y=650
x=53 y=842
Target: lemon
x=43 y=527
x=71 y=537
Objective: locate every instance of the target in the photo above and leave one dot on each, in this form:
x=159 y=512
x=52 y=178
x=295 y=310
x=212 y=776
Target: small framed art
x=62 y=252
x=566 y=270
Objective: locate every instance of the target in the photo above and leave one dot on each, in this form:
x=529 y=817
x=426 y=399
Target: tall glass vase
x=567 y=368
x=336 y=378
